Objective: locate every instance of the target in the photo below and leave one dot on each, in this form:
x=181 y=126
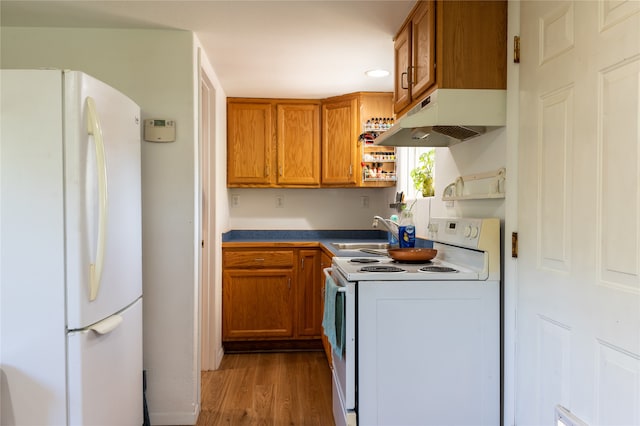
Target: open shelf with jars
x=378 y=124
x=378 y=163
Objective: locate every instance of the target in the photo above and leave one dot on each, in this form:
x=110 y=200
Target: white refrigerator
x=70 y=251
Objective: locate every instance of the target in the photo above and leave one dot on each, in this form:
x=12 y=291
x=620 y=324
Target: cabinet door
x=402 y=58
x=339 y=138
x=257 y=304
x=423 y=48
x=472 y=56
x=298 y=144
x=309 y=294
x=249 y=140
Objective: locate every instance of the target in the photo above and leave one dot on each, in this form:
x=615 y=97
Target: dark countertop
x=318 y=238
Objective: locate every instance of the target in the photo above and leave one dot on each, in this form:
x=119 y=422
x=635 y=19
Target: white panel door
x=578 y=308
x=105 y=372
x=118 y=120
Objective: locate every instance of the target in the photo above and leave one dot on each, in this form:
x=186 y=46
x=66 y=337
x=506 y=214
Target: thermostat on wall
x=156 y=130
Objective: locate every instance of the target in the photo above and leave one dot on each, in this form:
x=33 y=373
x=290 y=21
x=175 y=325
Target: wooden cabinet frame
x=273 y=142
x=343 y=120
x=272 y=296
x=450 y=44
x=414 y=55
x=299 y=143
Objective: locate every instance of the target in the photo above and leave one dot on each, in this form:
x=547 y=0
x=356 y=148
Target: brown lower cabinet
x=309 y=294
x=271 y=298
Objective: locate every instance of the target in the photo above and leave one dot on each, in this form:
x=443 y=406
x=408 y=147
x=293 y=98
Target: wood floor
x=277 y=389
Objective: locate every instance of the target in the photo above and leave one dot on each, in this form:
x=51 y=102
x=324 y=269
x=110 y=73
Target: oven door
x=431 y=353
x=344 y=365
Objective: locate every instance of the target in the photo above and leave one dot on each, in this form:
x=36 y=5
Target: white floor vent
x=565 y=417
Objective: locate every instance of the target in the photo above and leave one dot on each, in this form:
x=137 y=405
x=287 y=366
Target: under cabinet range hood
x=448 y=116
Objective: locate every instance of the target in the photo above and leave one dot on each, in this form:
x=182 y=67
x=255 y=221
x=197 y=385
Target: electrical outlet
x=364 y=202
x=279 y=201
x=235 y=200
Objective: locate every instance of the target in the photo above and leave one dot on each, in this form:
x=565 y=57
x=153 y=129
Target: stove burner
x=363 y=260
x=437 y=269
x=381 y=268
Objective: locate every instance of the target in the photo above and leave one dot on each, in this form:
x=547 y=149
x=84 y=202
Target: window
x=407 y=160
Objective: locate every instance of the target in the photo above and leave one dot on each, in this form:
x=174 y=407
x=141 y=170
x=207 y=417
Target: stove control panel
x=464 y=232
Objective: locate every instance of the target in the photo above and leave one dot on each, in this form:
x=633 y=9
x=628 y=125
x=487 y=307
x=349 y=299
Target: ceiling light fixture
x=377 y=73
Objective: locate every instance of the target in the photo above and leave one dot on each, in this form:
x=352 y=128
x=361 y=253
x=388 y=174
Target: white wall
x=304 y=209
x=482 y=154
x=485 y=153
x=156 y=69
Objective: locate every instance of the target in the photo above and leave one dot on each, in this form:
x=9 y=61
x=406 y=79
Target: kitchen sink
x=378 y=252
x=359 y=246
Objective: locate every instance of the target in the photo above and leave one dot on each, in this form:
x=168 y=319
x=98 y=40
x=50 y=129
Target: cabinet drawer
x=258 y=259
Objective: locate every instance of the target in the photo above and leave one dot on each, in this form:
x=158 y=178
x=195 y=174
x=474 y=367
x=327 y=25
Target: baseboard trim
x=271 y=345
x=219 y=358
x=175 y=417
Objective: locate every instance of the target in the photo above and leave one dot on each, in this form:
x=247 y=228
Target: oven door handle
x=327 y=273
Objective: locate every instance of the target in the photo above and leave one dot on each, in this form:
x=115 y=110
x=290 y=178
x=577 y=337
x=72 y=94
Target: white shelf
x=472 y=197
x=495 y=187
x=371 y=129
x=370 y=160
x=391 y=179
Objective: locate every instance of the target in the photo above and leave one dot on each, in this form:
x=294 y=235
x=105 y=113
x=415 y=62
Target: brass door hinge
x=516 y=49
x=514 y=244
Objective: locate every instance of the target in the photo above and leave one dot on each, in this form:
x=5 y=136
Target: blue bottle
x=407 y=230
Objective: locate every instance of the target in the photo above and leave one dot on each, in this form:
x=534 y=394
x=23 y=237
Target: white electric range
x=385 y=268
x=422 y=341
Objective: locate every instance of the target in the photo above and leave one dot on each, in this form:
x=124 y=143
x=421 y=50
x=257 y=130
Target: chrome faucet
x=391 y=225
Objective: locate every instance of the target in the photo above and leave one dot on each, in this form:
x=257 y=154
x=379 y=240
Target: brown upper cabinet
x=305 y=143
x=415 y=60
x=450 y=44
x=263 y=151
x=343 y=154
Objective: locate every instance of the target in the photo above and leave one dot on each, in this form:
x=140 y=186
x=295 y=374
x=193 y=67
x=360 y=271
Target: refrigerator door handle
x=94 y=129
x=107 y=325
